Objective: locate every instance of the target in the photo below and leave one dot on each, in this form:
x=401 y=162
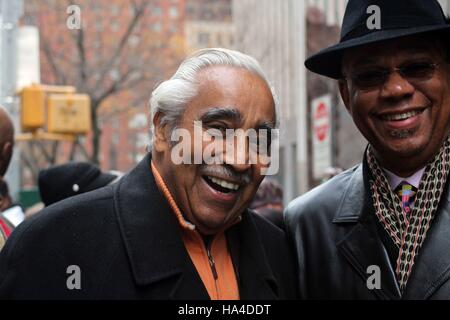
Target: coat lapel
x=152 y=239
x=156 y=251
x=256 y=280
x=361 y=245
x=432 y=267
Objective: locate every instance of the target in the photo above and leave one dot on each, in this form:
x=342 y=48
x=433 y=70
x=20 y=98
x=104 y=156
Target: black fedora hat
x=399 y=18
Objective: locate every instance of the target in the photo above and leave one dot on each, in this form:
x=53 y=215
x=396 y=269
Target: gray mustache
x=243 y=178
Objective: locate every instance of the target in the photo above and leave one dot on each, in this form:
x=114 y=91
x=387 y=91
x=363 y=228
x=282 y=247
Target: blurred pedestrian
x=268 y=201
x=6 y=140
x=11 y=211
x=67 y=180
x=5 y=201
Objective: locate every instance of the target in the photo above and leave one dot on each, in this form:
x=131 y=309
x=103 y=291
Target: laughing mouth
x=401 y=116
x=221 y=185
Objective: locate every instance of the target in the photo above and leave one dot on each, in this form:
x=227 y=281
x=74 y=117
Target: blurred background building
x=124 y=48
x=208 y=24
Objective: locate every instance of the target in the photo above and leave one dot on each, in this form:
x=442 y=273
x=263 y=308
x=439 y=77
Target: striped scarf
x=408 y=231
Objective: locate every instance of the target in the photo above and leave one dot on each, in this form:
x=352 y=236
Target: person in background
x=6 y=140
x=67 y=180
x=6 y=227
x=12 y=212
x=268 y=202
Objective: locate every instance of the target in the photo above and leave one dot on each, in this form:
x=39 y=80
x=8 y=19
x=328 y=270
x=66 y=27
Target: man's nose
x=238 y=155
x=396 y=86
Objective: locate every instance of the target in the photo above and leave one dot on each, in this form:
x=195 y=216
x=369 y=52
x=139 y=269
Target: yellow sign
x=33 y=108
x=68 y=113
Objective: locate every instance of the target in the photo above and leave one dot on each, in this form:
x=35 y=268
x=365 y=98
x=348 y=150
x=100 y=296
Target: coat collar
x=155 y=248
x=432 y=267
x=362 y=246
x=256 y=279
x=150 y=233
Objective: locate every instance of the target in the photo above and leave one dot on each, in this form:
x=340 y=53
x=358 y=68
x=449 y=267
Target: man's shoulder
x=83 y=206
x=322 y=201
x=264 y=226
x=80 y=231
x=70 y=220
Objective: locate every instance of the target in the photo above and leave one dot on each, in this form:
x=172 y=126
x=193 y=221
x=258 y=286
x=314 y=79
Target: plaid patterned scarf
x=408 y=231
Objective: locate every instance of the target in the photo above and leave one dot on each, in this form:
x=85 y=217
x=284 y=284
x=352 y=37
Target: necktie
x=406 y=192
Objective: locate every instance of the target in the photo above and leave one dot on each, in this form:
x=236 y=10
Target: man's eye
x=370 y=75
x=219 y=127
x=217 y=131
x=418 y=69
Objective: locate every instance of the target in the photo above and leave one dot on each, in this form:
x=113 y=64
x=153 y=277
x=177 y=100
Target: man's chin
x=209 y=229
x=402 y=145
x=212 y=225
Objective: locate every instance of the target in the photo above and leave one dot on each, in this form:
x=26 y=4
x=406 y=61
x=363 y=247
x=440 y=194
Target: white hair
x=171 y=97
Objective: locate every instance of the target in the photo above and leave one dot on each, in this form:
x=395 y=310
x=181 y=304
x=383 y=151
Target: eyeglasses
x=415 y=72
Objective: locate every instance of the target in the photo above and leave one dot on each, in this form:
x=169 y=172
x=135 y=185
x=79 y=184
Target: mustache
x=225 y=171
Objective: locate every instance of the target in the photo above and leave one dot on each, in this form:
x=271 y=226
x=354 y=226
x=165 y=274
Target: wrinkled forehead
x=432 y=47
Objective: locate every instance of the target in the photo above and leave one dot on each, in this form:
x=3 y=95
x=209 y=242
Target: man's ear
x=345 y=95
x=5 y=157
x=160 y=141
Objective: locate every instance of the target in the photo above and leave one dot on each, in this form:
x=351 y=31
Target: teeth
x=224 y=183
x=402 y=116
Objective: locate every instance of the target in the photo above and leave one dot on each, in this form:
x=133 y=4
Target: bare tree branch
x=82 y=57
x=57 y=72
x=138 y=13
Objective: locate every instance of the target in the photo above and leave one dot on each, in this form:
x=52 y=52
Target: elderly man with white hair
x=170 y=229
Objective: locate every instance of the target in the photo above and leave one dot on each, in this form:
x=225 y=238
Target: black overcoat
x=341 y=245
x=126 y=244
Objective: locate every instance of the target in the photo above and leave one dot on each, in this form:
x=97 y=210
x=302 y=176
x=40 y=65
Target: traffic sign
x=321 y=126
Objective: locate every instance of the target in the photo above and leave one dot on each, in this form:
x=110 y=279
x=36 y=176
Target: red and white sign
x=321 y=126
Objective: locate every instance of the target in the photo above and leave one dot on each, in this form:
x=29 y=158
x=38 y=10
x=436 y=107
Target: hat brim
x=101 y=180
x=328 y=62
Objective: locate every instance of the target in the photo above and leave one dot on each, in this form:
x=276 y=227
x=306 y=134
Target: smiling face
x=212 y=196
x=405 y=118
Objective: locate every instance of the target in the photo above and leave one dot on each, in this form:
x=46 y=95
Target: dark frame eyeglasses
x=415 y=72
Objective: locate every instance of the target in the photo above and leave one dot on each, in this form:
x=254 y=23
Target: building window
x=115 y=26
x=173 y=12
x=99 y=25
x=156 y=11
x=203 y=39
x=219 y=40
x=115 y=10
x=156 y=27
x=134 y=40
x=173 y=28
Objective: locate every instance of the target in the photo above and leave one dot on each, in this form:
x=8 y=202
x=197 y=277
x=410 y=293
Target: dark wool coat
x=127 y=245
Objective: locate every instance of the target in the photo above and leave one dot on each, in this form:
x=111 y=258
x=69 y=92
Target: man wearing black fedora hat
x=381 y=229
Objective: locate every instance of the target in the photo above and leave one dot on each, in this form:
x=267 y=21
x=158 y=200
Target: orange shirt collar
x=173 y=205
